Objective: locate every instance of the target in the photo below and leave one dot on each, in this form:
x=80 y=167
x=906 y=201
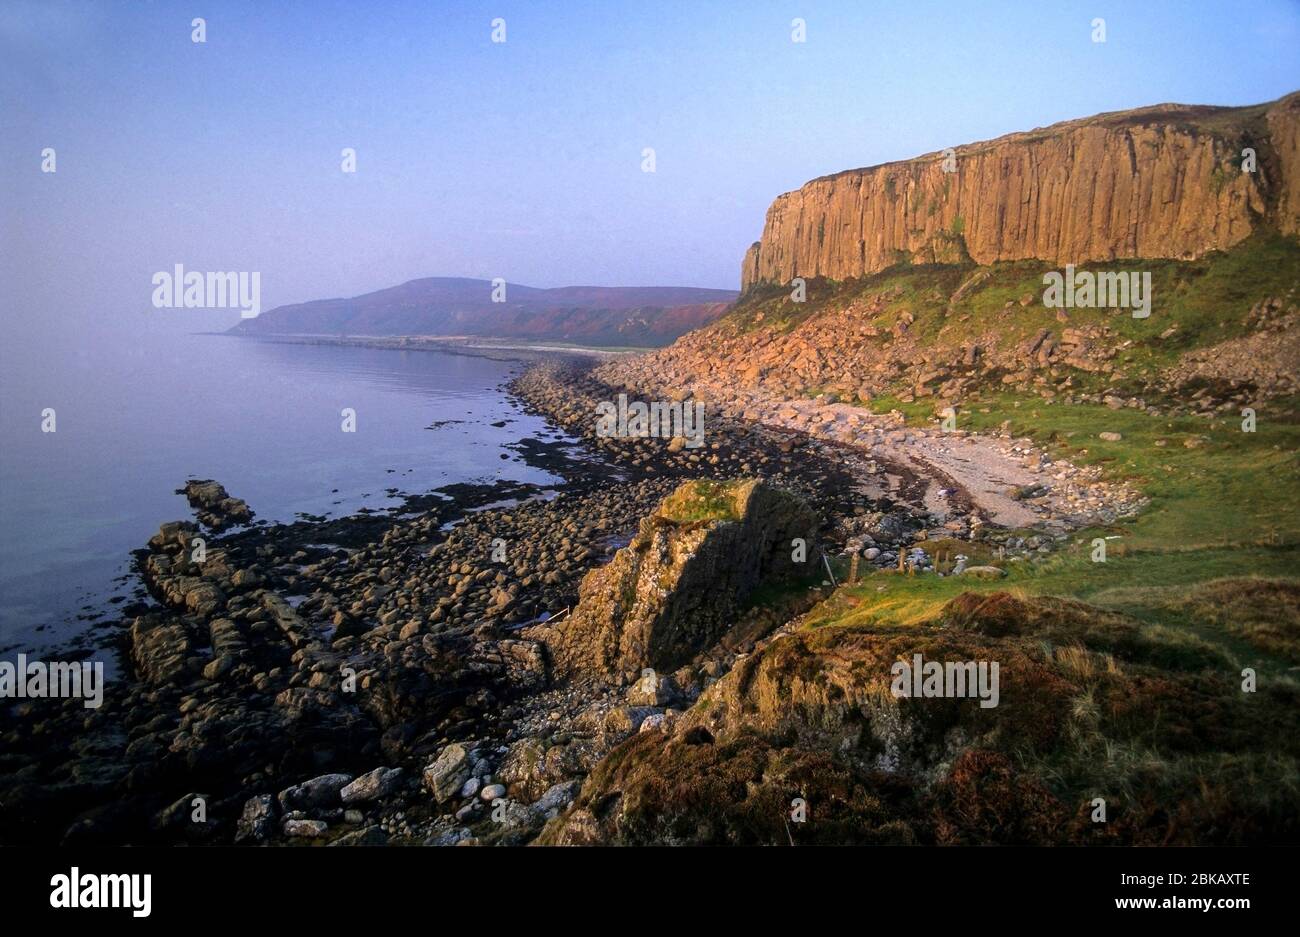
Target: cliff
x=1158 y=182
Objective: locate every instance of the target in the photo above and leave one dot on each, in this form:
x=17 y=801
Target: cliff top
x=1206 y=118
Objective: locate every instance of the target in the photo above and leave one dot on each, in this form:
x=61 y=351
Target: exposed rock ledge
x=674 y=589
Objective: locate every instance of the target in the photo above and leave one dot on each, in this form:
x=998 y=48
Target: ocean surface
x=263 y=419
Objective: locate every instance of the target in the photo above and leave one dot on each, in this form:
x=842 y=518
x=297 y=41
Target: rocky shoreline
x=421 y=677
x=239 y=667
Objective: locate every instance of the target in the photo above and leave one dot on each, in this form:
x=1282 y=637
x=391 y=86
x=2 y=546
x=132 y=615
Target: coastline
x=406 y=677
x=229 y=658
x=503 y=349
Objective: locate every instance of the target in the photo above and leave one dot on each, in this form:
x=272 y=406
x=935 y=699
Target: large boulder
x=674 y=590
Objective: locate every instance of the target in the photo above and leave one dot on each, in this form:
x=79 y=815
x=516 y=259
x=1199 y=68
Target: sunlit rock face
x=673 y=590
x=1164 y=181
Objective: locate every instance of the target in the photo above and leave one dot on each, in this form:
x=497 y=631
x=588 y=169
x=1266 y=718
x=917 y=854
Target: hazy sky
x=523 y=159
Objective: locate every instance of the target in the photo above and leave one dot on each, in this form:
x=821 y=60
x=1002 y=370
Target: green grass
x=1231 y=489
x=1223 y=507
x=1204 y=301
x=891 y=598
x=702 y=500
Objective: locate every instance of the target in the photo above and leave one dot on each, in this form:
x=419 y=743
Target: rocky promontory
x=675 y=589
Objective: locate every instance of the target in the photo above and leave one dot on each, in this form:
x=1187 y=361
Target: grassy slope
x=1223 y=515
x=1206 y=299
x=1223 y=508
x=1133 y=697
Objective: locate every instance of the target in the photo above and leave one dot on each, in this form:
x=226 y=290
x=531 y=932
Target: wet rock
x=173 y=534
x=213 y=504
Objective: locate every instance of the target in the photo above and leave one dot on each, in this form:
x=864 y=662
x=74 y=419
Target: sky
x=521 y=159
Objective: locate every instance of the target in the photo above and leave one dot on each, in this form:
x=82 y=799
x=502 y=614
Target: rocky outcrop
x=1163 y=181
x=671 y=592
x=213 y=505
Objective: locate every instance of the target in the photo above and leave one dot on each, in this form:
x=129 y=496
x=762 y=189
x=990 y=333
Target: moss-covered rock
x=674 y=589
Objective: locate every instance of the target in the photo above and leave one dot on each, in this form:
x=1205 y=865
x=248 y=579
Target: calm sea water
x=263 y=419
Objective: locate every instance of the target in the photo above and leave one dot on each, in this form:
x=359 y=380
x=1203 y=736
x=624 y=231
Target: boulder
x=322 y=791
x=372 y=785
x=448 y=772
x=257 y=820
x=674 y=589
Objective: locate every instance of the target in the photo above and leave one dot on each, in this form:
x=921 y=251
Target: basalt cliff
x=1165 y=181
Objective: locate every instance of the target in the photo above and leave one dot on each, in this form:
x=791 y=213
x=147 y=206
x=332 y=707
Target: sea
x=94 y=447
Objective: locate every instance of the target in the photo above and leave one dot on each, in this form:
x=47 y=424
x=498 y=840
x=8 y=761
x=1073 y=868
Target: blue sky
x=523 y=159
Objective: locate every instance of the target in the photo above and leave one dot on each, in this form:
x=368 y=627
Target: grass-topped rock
x=673 y=590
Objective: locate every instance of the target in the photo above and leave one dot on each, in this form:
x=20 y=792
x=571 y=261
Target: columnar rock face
x=1163 y=181
x=1284 y=135
x=671 y=592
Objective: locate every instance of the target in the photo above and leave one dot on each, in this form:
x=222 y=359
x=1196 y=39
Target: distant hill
x=592 y=315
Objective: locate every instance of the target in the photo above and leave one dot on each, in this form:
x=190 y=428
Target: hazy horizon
x=521 y=159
